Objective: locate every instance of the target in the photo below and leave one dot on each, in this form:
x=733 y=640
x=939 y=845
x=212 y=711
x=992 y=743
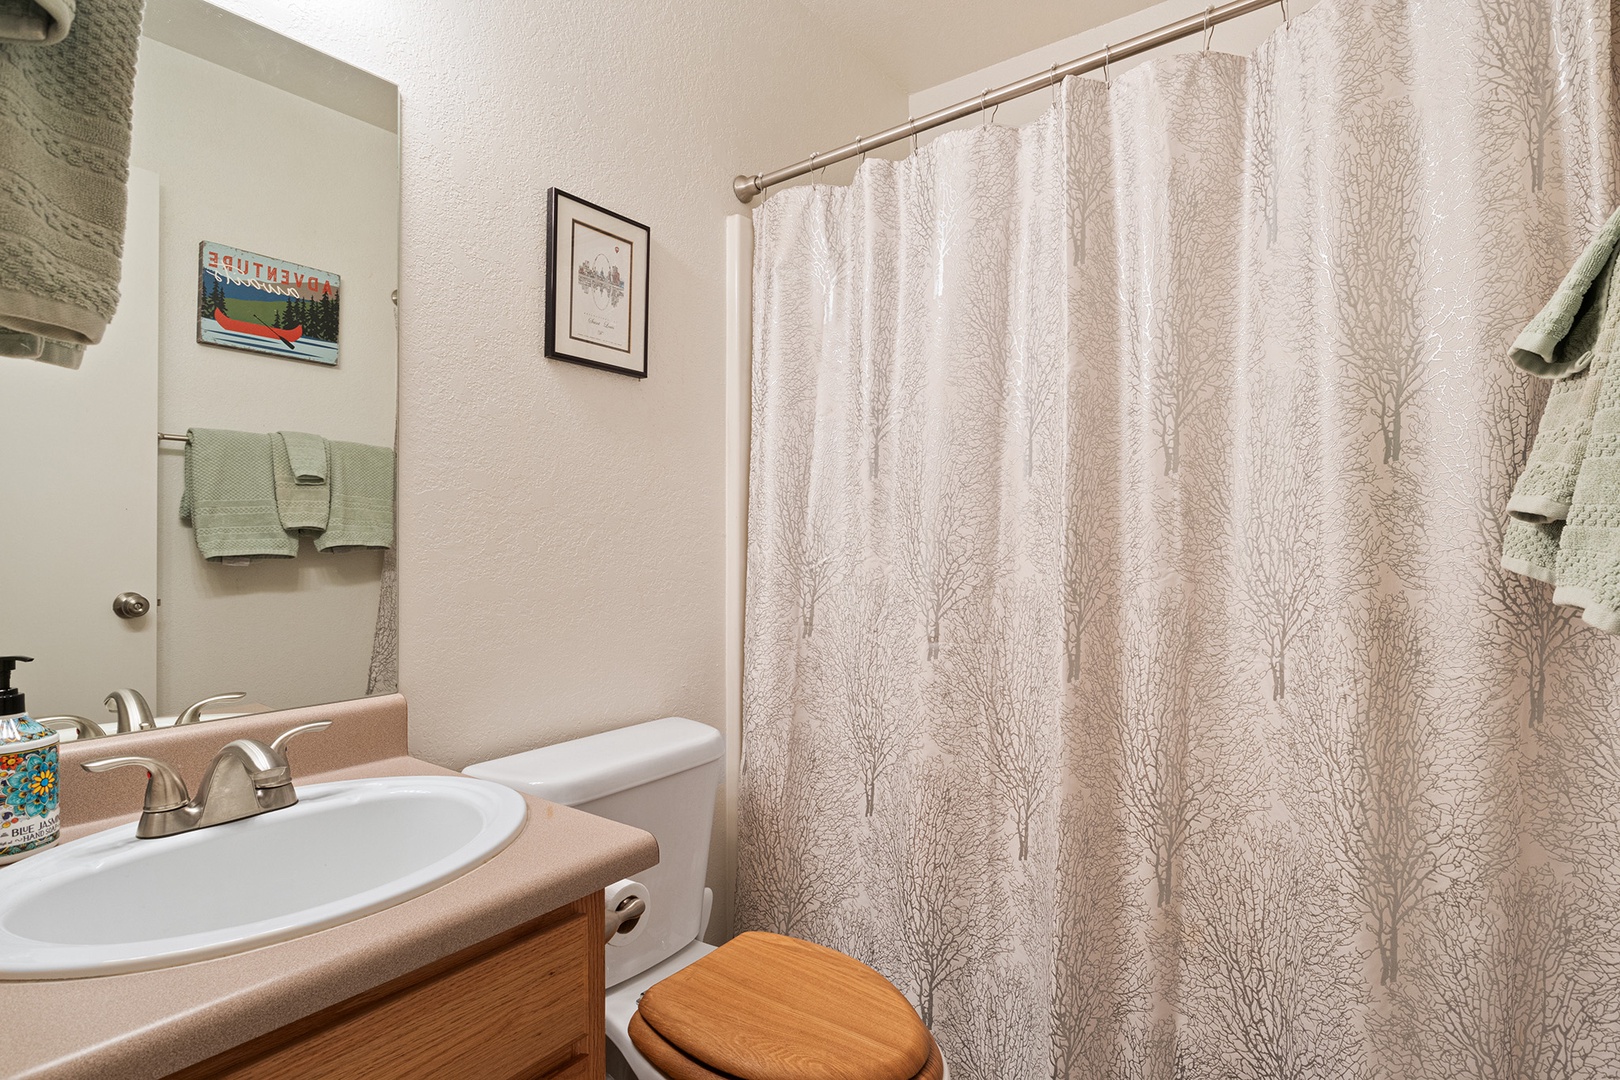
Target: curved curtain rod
x=746 y=187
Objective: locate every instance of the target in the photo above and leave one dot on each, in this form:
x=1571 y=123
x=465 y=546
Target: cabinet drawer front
x=521 y=1010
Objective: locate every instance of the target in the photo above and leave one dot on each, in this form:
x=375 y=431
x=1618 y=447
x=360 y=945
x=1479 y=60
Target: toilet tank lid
x=597 y=766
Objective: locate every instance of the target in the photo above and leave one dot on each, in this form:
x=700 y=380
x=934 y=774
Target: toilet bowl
x=760 y=1007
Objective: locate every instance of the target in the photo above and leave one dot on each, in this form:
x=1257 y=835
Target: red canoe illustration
x=237 y=326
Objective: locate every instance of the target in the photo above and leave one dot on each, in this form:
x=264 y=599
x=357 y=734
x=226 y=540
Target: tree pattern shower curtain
x=1129 y=673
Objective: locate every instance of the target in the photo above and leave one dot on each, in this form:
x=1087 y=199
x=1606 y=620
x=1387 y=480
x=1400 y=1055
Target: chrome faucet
x=134 y=714
x=245 y=778
x=192 y=714
x=86 y=729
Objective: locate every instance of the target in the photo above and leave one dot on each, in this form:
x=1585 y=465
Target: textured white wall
x=286 y=632
x=561 y=530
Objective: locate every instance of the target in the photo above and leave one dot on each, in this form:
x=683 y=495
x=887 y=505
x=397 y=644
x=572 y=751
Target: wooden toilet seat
x=768 y=1007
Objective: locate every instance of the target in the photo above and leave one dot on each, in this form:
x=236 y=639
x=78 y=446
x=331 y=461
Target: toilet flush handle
x=623 y=919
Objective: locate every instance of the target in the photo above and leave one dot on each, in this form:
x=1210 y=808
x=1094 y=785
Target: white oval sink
x=109 y=903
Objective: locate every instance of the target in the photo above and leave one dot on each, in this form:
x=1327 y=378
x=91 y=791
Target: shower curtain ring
x=813 y=176
x=860 y=149
x=1209 y=32
x=1108 y=54
x=1052 y=81
x=982 y=95
x=911 y=123
x=1286 y=21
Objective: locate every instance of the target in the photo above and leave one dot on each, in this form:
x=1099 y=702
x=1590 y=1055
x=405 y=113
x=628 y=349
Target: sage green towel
x=65 y=112
x=230 y=497
x=1547 y=347
x=1588 y=568
x=43 y=349
x=1545 y=488
x=303 y=497
x=1532 y=549
x=35 y=22
x=362 y=481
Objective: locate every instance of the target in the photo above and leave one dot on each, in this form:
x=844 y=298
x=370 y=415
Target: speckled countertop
x=149 y=1024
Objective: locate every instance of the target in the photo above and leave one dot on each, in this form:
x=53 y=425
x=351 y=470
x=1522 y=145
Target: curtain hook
x=982 y=95
x=860 y=148
x=813 y=177
x=1209 y=32
x=1108 y=54
x=1052 y=81
x=911 y=122
x=1286 y=21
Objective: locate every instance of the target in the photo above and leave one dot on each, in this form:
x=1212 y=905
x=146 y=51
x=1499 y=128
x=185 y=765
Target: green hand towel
x=1547 y=347
x=230 y=496
x=65 y=113
x=35 y=22
x=1587 y=574
x=306 y=456
x=33 y=347
x=303 y=497
x=362 y=481
x=1545 y=488
x=1532 y=550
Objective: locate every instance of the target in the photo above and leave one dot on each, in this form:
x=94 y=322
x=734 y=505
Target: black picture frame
x=586 y=273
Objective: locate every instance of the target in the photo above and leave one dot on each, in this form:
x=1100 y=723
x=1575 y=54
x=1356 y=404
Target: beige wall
x=561 y=529
x=246 y=164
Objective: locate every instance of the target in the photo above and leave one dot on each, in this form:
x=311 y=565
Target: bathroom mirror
x=244 y=141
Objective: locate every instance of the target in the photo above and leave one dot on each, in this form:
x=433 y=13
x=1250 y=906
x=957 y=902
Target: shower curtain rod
x=746 y=187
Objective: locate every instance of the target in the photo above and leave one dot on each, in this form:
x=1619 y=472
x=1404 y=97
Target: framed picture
x=596 y=286
x=258 y=304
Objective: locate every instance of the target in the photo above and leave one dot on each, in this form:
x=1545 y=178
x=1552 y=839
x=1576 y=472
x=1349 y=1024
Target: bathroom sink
x=110 y=903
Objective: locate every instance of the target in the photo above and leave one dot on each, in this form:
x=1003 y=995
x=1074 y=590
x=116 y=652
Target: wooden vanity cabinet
x=524 y=1005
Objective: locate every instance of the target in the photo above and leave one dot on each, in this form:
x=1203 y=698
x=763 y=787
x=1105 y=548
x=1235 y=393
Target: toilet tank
x=660 y=776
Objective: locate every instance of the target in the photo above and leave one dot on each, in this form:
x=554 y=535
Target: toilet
x=760 y=1007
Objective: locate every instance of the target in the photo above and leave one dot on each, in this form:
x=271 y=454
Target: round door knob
x=130 y=605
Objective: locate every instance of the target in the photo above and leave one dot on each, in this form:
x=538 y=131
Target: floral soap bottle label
x=29 y=816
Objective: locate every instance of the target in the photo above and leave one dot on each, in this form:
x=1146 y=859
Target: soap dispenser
x=29 y=816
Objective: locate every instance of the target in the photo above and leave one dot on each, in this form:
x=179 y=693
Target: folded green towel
x=35 y=22
x=306 y=456
x=362 y=481
x=303 y=497
x=65 y=113
x=230 y=496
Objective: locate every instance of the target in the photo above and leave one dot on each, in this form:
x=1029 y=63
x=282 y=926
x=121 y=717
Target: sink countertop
x=152 y=1023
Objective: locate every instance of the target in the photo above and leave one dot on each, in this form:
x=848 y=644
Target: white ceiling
x=922 y=43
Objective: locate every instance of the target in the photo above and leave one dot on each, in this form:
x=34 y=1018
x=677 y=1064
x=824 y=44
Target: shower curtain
x=1130 y=677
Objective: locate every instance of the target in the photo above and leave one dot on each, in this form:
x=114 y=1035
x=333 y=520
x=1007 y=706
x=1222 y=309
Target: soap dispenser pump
x=30 y=818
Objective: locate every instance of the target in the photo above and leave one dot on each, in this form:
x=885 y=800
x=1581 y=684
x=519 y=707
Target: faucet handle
x=192 y=713
x=165 y=788
x=279 y=743
x=86 y=729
